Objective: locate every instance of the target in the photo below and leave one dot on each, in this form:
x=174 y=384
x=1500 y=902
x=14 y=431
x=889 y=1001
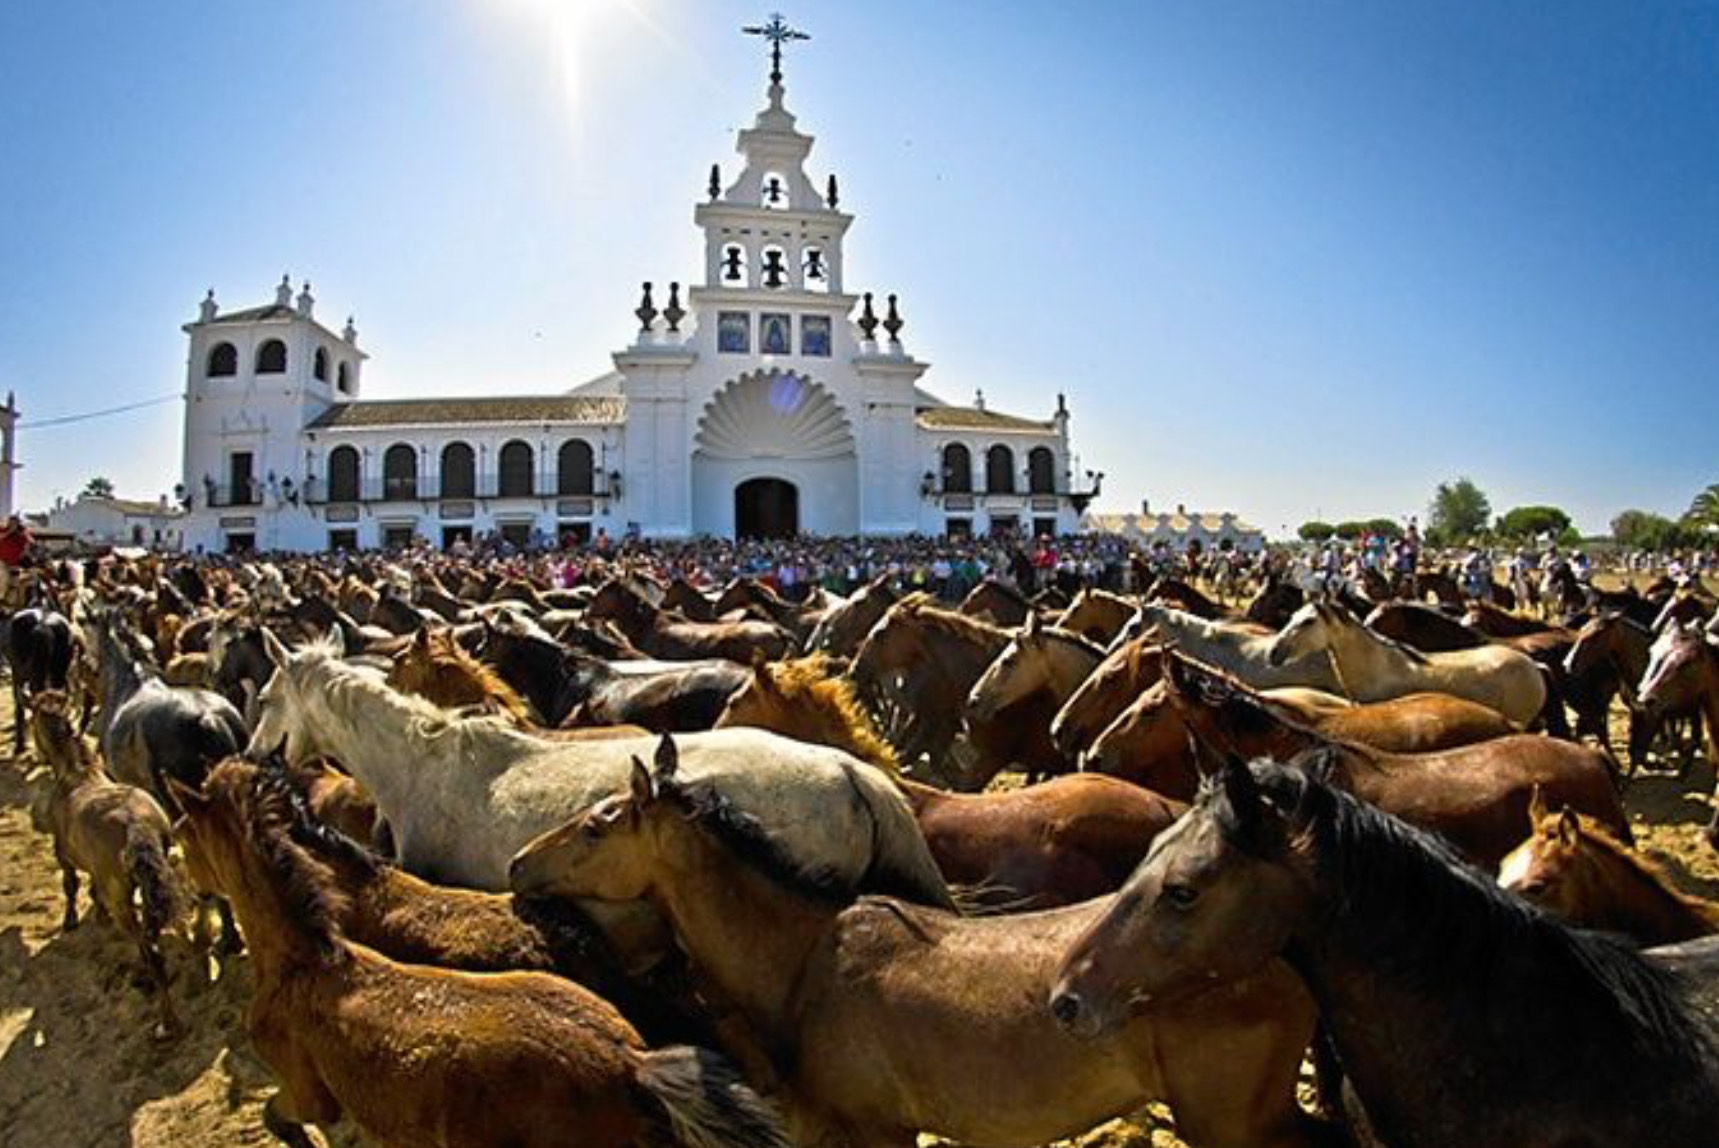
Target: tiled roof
x=499 y=409
x=973 y=418
x=135 y=506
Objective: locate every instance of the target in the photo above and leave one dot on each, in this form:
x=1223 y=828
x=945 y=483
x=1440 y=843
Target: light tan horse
x=1372 y=668
x=1097 y=615
x=416 y=1055
x=1579 y=871
x=881 y=1020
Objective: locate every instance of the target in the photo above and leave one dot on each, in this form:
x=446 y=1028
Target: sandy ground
x=78 y=1068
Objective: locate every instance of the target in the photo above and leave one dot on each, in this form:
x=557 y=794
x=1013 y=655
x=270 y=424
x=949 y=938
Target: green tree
x=1351 y=531
x=1459 y=511
x=1384 y=527
x=98 y=487
x=1526 y=522
x=1645 y=530
x=1315 y=531
x=1703 y=513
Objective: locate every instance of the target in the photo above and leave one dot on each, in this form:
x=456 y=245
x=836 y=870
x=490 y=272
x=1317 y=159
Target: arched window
x=1041 y=471
x=400 y=473
x=223 y=361
x=343 y=474
x=271 y=358
x=574 y=468
x=999 y=470
x=319 y=364
x=459 y=471
x=515 y=471
x=957 y=469
x=342 y=379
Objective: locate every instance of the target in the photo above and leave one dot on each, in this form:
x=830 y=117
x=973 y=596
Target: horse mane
x=1347 y=617
x=745 y=837
x=321 y=839
x=1373 y=865
x=266 y=807
x=964 y=627
x=446 y=654
x=1073 y=638
x=999 y=587
x=812 y=678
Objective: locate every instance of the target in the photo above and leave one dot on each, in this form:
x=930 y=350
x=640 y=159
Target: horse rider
x=16 y=542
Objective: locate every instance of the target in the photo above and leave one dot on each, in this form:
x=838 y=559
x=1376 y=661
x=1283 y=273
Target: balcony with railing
x=491 y=486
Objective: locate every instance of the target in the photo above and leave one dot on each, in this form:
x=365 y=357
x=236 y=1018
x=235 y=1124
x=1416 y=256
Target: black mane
x=745 y=836
x=1390 y=886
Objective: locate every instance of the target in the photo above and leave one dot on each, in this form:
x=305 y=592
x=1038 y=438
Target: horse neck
x=375 y=735
x=282 y=948
x=1638 y=902
x=748 y=934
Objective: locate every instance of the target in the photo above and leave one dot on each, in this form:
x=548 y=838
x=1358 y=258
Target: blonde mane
x=436 y=667
x=810 y=688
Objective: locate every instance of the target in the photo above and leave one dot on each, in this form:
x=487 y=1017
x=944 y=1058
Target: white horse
x=463 y=795
x=1374 y=668
x=1260 y=660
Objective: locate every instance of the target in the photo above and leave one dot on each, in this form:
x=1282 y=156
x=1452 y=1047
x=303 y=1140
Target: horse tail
x=145 y=859
x=1552 y=714
x=705 y=1103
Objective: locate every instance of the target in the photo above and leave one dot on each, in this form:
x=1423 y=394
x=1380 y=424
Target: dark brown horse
x=1461 y=1017
x=1475 y=796
x=1426 y=628
x=668 y=636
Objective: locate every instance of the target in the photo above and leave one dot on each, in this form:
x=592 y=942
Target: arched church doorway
x=766 y=508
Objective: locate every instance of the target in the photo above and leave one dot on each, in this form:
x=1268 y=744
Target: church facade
x=765 y=400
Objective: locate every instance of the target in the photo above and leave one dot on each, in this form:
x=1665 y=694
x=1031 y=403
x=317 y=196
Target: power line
x=86 y=416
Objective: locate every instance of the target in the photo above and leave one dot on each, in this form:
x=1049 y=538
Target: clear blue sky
x=1284 y=258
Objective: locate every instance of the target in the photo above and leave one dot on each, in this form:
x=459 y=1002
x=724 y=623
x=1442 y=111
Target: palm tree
x=1704 y=511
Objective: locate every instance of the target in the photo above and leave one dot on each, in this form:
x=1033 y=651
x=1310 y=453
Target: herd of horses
x=642 y=863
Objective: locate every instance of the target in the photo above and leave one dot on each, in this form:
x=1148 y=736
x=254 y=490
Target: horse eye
x=1181 y=896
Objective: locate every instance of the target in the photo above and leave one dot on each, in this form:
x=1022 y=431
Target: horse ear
x=1242 y=790
x=422 y=638
x=644 y=787
x=1208 y=762
x=1569 y=827
x=1536 y=806
x=273 y=647
x=759 y=662
x=1031 y=628
x=337 y=639
x=668 y=758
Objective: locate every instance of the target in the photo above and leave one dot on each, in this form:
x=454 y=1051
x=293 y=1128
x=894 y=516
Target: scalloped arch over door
x=773 y=414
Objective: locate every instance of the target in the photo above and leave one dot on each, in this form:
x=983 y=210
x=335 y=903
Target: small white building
x=95 y=520
x=767 y=400
x=1210 y=529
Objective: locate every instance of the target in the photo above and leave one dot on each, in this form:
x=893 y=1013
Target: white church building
x=768 y=400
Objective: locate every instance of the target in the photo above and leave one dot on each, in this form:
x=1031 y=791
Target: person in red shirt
x=15 y=543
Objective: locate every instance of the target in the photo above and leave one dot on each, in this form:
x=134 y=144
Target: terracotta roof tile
x=499 y=409
x=972 y=418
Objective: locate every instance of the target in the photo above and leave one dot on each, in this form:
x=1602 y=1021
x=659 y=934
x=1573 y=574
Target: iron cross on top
x=778 y=33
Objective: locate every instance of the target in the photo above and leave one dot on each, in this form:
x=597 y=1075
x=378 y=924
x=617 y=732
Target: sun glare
x=569 y=31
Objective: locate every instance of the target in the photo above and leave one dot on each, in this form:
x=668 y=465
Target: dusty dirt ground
x=78 y=1068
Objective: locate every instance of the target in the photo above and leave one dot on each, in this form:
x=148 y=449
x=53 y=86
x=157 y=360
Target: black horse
x=40 y=646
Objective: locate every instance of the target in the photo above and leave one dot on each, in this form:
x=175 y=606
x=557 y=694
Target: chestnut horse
x=1125 y=673
x=1585 y=875
x=1682 y=676
x=1011 y=706
x=1461 y=1016
x=882 y=1020
x=1097 y=616
x=804 y=699
x=1474 y=795
x=438 y=669
x=1060 y=842
x=333 y=1019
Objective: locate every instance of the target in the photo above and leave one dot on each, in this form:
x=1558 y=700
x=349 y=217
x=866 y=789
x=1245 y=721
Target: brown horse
x=1148 y=744
x=1585 y=875
x=666 y=636
x=1426 y=628
x=1060 y=842
x=691 y=602
x=882 y=1020
x=996 y=602
x=512 y=1059
x=1682 y=676
x=1125 y=673
x=115 y=833
x=1475 y=796
x=336 y=799
x=1010 y=708
x=805 y=699
x=436 y=667
x=844 y=626
x=918 y=664
x=1097 y=616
